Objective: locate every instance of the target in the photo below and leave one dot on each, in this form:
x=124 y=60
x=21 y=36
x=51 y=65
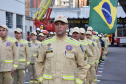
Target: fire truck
x=40 y=20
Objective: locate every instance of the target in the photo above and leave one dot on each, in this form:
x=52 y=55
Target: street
x=113 y=69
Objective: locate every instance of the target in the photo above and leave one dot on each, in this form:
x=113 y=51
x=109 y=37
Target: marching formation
x=59 y=59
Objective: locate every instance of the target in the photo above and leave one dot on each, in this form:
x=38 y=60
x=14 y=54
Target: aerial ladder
x=39 y=21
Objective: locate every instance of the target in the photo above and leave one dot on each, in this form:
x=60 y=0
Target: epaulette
x=48 y=40
x=73 y=41
x=38 y=42
x=11 y=39
x=24 y=41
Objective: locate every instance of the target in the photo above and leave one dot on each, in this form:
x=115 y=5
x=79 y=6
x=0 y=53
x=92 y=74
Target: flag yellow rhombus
x=108 y=13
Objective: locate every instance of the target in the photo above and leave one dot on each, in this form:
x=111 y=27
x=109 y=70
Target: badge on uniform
x=49 y=47
x=82 y=48
x=21 y=45
x=69 y=47
x=8 y=44
x=36 y=44
x=29 y=44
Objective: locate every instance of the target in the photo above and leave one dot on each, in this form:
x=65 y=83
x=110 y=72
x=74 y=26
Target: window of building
x=9 y=19
x=30 y=28
x=19 y=21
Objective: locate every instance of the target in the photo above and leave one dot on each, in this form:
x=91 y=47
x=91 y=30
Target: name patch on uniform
x=49 y=51
x=21 y=45
x=8 y=44
x=69 y=47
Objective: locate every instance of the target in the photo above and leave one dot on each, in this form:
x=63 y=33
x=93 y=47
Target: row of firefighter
x=60 y=59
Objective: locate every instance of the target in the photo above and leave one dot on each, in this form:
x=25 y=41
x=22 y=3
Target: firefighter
x=60 y=57
x=45 y=32
x=93 y=78
x=95 y=38
x=76 y=34
x=8 y=55
x=107 y=44
x=41 y=37
x=103 y=54
x=89 y=53
x=24 y=58
x=102 y=45
x=34 y=49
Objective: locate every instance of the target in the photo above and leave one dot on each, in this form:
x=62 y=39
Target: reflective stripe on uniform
x=67 y=77
x=35 y=55
x=22 y=60
x=95 y=80
x=40 y=79
x=47 y=76
x=78 y=81
x=15 y=66
x=24 y=71
x=89 y=65
x=35 y=81
x=31 y=81
x=48 y=41
x=93 y=62
x=8 y=61
x=71 y=41
x=11 y=77
x=28 y=62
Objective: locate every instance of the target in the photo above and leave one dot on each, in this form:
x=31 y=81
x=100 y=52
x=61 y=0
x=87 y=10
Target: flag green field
x=103 y=16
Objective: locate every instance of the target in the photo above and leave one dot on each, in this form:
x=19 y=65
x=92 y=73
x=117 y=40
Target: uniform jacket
x=24 y=54
x=8 y=54
x=34 y=50
x=61 y=61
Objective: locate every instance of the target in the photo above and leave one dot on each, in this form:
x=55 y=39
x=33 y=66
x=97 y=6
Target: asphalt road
x=112 y=70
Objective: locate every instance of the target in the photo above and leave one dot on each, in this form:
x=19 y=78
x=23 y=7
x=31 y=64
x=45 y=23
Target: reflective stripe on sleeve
x=15 y=66
x=28 y=62
x=89 y=65
x=22 y=60
x=47 y=76
x=40 y=79
x=78 y=81
x=35 y=55
x=67 y=77
x=8 y=61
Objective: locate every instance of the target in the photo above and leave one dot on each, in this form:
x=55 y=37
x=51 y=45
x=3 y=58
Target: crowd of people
x=52 y=58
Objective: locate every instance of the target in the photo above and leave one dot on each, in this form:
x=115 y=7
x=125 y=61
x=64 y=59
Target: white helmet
x=51 y=32
x=38 y=29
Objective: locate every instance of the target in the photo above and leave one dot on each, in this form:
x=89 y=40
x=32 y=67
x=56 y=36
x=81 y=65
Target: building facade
x=12 y=14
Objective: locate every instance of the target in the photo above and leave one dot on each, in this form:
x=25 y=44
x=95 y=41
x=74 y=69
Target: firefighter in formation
x=56 y=60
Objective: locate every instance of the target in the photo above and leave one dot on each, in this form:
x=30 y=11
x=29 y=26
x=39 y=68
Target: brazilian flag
x=103 y=16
